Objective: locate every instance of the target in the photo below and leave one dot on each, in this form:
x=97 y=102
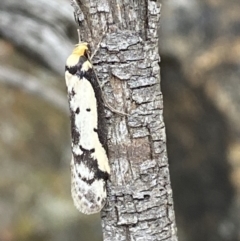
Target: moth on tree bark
x=140 y=205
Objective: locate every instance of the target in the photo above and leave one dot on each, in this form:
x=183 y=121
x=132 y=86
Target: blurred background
x=199 y=46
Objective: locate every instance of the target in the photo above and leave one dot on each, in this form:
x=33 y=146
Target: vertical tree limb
x=140 y=205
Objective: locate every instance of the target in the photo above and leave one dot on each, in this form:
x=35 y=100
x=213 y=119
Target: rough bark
x=140 y=205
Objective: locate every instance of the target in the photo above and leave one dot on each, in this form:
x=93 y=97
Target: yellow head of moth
x=81 y=49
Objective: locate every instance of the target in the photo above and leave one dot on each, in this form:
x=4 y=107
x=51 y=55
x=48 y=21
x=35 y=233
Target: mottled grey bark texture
x=140 y=205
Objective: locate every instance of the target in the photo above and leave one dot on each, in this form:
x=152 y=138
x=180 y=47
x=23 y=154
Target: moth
x=89 y=164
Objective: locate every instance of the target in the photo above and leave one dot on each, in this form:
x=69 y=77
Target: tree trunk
x=140 y=205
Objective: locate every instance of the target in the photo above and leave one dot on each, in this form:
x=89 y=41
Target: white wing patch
x=89 y=165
